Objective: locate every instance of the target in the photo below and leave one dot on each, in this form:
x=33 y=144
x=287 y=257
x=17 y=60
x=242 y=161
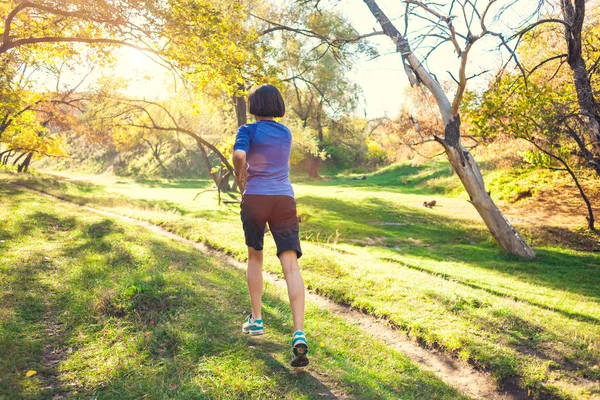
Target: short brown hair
x=266 y=101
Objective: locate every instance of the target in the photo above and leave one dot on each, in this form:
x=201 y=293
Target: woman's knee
x=289 y=262
x=255 y=255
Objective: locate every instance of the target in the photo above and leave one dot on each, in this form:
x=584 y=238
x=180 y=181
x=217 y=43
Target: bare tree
x=441 y=24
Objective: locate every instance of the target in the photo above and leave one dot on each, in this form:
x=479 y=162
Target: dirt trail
x=54 y=351
x=454 y=372
x=53 y=354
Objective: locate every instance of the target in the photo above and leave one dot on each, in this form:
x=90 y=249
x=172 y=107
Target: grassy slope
x=103 y=309
x=438 y=277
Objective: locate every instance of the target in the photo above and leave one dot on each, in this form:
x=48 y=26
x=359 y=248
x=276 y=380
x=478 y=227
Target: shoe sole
x=253 y=333
x=300 y=358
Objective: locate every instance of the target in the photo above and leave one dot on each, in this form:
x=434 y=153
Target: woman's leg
x=295 y=286
x=255 y=281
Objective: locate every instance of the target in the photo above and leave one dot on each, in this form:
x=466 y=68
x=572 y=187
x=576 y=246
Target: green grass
x=102 y=309
x=433 y=273
x=431 y=178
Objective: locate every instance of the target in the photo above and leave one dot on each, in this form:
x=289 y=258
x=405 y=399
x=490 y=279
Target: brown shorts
x=279 y=212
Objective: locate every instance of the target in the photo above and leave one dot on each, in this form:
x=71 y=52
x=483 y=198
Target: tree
x=220 y=48
x=124 y=22
x=588 y=113
x=460 y=158
x=132 y=122
x=201 y=41
x=532 y=113
x=317 y=91
x=319 y=97
x=30 y=118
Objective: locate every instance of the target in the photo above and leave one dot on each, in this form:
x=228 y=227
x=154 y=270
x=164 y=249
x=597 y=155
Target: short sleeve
x=242 y=139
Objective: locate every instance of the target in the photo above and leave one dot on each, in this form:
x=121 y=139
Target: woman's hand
x=240 y=168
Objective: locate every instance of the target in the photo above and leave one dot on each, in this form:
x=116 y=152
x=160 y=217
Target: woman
x=261 y=159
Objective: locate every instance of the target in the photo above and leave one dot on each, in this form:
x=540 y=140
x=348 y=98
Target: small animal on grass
x=429 y=204
x=522 y=195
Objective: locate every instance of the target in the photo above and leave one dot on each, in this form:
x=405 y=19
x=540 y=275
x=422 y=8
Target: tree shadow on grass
x=530 y=339
x=355 y=221
x=524 y=335
x=499 y=293
x=179 y=316
x=83 y=193
x=24 y=297
x=440 y=238
x=221 y=290
x=4 y=235
x=405 y=178
x=181 y=308
x=175 y=183
x=527 y=338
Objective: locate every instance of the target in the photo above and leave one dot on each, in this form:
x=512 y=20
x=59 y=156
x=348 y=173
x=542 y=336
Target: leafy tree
x=123 y=22
x=201 y=41
x=532 y=113
x=30 y=117
x=441 y=29
x=318 y=92
x=578 y=48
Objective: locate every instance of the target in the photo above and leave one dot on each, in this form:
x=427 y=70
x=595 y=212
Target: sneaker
x=253 y=326
x=299 y=350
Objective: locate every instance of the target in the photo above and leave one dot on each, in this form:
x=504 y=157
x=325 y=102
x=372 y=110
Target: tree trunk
x=3 y=158
x=574 y=15
x=313 y=166
x=587 y=104
x=461 y=160
x=18 y=158
x=241 y=111
x=8 y=156
x=468 y=171
x=320 y=127
x=207 y=164
x=221 y=178
x=588 y=204
x=23 y=167
x=315 y=161
x=156 y=154
x=224 y=180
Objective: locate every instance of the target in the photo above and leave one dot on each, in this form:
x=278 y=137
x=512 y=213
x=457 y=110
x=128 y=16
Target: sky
x=382 y=80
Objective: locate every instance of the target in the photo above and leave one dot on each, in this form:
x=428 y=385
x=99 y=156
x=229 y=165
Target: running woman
x=261 y=159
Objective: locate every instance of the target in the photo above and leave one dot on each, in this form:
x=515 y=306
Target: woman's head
x=266 y=101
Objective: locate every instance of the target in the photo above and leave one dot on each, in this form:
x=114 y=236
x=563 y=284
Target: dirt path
x=53 y=354
x=454 y=372
x=54 y=351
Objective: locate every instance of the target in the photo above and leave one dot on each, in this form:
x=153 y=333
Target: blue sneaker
x=299 y=350
x=253 y=326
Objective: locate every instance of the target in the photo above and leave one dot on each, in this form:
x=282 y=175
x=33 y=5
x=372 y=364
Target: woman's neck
x=259 y=118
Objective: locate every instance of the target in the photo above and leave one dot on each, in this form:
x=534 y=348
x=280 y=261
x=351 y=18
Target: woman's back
x=268 y=145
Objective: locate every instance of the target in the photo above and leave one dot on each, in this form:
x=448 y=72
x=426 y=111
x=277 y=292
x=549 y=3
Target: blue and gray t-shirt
x=268 y=145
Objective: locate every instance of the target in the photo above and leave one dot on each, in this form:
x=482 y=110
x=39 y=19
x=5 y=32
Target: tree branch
x=559 y=56
x=54 y=39
x=542 y=21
